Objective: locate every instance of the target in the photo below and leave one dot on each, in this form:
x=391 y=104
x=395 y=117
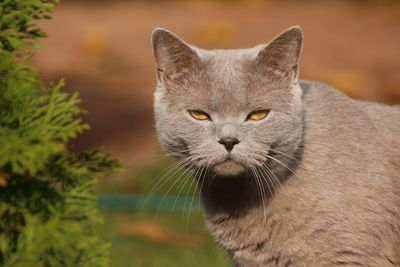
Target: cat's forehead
x=226 y=69
x=223 y=79
x=230 y=76
x=230 y=54
x=227 y=62
x=223 y=85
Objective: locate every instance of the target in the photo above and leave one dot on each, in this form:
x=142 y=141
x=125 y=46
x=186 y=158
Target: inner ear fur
x=172 y=55
x=283 y=52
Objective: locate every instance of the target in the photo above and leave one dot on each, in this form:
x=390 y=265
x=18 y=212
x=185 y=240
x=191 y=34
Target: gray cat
x=291 y=173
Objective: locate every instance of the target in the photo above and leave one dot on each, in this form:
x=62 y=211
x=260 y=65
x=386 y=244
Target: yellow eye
x=258 y=115
x=199 y=115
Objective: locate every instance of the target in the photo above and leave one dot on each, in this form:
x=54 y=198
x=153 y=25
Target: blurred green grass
x=150 y=238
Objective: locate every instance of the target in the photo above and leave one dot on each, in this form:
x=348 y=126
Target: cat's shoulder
x=324 y=104
x=320 y=97
x=318 y=93
x=314 y=90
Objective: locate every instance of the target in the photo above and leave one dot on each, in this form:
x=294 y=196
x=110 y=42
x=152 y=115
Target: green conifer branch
x=48 y=212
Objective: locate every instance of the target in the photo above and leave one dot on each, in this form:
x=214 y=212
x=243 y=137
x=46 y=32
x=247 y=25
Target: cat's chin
x=228 y=167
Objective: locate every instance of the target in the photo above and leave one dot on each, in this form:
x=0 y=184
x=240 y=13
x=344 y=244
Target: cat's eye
x=199 y=115
x=258 y=115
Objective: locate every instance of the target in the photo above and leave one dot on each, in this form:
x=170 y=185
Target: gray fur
x=316 y=183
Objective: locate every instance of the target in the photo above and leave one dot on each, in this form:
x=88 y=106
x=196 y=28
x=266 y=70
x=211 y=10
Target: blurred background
x=102 y=49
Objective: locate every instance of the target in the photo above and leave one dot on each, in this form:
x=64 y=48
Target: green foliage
x=48 y=213
x=16 y=30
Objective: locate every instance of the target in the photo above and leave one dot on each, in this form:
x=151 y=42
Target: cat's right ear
x=173 y=57
x=283 y=52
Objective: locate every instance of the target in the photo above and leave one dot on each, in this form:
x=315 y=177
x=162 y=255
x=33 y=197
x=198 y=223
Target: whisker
x=268 y=170
x=269 y=188
x=280 y=162
x=174 y=167
x=194 y=194
x=160 y=182
x=260 y=189
x=181 y=188
x=285 y=154
x=198 y=168
x=268 y=178
x=170 y=188
x=203 y=179
x=274 y=186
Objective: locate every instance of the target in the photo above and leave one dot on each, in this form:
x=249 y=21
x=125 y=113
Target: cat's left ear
x=173 y=56
x=283 y=52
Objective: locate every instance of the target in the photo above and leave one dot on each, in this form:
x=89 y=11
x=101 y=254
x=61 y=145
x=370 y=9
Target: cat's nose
x=229 y=142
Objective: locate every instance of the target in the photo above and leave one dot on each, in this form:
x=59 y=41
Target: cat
x=290 y=172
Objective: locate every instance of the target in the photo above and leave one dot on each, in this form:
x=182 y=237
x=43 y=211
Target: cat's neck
x=234 y=205
x=230 y=195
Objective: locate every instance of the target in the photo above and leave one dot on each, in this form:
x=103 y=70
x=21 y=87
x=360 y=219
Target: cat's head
x=227 y=109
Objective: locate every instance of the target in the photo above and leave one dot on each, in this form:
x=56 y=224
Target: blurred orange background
x=103 y=50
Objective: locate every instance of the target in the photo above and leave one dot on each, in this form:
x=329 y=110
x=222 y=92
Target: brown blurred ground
x=103 y=50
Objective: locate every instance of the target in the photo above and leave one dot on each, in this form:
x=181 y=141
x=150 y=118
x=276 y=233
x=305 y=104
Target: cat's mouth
x=228 y=167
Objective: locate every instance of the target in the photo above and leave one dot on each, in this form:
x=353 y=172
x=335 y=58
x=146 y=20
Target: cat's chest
x=256 y=240
x=305 y=224
x=241 y=228
x=261 y=231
